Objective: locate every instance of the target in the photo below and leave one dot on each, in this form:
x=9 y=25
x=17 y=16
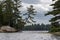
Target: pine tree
x=56 y=19
x=18 y=21
x=1 y=14
x=7 y=12
x=30 y=14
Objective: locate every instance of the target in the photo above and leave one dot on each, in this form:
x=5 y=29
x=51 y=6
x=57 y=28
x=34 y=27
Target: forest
x=37 y=27
x=11 y=16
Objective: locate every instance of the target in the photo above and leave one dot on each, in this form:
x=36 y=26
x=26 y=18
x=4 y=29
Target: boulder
x=8 y=29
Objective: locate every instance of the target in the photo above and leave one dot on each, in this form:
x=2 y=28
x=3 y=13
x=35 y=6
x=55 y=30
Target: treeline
x=37 y=27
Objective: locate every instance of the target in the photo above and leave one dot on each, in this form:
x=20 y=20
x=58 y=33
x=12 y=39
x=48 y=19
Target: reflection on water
x=26 y=35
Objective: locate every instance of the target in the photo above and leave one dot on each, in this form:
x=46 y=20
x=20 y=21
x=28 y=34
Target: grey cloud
x=31 y=1
x=40 y=18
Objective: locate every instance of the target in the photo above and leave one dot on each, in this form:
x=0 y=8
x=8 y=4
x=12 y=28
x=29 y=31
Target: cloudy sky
x=41 y=6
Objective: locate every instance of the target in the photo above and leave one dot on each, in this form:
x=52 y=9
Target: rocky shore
x=7 y=29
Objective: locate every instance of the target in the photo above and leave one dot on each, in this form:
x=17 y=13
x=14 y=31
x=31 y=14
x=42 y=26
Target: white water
x=29 y=35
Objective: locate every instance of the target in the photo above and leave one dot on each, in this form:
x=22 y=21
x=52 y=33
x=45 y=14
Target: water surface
x=29 y=35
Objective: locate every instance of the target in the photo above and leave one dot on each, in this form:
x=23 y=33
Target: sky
x=42 y=7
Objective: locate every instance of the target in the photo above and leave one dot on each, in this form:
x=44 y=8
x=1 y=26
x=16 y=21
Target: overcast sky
x=41 y=6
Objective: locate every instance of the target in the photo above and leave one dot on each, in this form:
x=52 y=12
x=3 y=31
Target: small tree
x=30 y=14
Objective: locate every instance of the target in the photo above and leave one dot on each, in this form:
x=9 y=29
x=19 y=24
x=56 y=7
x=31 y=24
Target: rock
x=7 y=29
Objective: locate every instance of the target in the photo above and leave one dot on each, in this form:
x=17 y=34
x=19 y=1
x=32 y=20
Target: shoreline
x=55 y=33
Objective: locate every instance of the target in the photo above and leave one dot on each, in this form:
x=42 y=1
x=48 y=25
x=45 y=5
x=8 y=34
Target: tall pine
x=30 y=14
x=55 y=21
x=18 y=21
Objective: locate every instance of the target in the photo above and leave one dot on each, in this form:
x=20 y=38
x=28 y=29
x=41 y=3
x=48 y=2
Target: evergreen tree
x=11 y=13
x=56 y=19
x=7 y=12
x=30 y=14
x=1 y=14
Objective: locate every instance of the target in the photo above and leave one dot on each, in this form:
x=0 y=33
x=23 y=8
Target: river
x=29 y=35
